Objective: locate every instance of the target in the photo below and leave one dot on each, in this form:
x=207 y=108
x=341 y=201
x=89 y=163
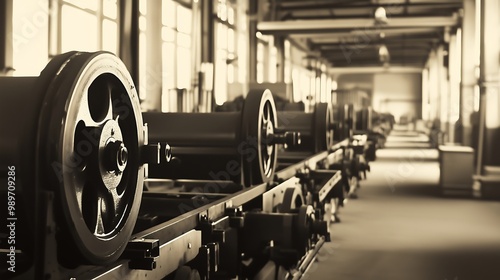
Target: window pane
x=109 y=35
x=143 y=7
x=242 y=57
x=260 y=72
x=169 y=97
x=287 y=50
x=183 y=19
x=287 y=70
x=84 y=4
x=30 y=44
x=110 y=8
x=260 y=52
x=230 y=74
x=78 y=30
x=183 y=40
x=142 y=66
x=184 y=68
x=167 y=34
x=220 y=87
x=142 y=23
x=221 y=36
x=168 y=13
x=230 y=15
x=273 y=72
x=168 y=65
x=230 y=40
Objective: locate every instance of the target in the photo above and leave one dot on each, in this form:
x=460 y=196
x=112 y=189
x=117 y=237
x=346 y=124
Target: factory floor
x=401 y=228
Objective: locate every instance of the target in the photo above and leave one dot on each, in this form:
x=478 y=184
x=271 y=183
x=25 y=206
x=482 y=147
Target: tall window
x=226 y=63
x=273 y=61
x=176 y=50
x=242 y=43
x=288 y=63
x=266 y=59
x=88 y=25
x=143 y=70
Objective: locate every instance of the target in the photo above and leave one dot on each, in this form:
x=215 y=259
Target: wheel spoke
x=90 y=208
x=110 y=113
x=117 y=203
x=99 y=227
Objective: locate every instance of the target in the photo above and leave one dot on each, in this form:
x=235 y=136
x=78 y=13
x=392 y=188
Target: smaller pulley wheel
x=292 y=199
x=305 y=218
x=92 y=131
x=323 y=120
x=259 y=122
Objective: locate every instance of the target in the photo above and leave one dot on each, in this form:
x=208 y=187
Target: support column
x=252 y=40
x=206 y=75
x=279 y=43
x=153 y=79
x=454 y=86
x=129 y=37
x=434 y=102
x=425 y=94
x=6 y=51
x=487 y=173
x=489 y=125
x=468 y=75
x=443 y=94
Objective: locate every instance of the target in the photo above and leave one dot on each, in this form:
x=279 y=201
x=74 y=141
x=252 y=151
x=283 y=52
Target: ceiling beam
x=375 y=69
x=287 y=6
x=368 y=34
x=332 y=25
x=373 y=45
x=308 y=15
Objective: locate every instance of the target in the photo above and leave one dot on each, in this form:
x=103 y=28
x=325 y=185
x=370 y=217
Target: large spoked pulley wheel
x=90 y=135
x=258 y=128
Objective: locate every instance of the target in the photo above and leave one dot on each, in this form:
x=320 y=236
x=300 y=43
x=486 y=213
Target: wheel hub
x=113 y=154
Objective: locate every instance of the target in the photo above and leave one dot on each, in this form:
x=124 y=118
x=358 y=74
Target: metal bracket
x=142 y=253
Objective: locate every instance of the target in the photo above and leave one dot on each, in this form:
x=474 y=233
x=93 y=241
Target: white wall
x=399 y=94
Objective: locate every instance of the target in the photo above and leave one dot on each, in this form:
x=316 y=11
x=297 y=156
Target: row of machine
x=97 y=189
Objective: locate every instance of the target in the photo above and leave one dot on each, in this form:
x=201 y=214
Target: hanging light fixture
x=383 y=54
x=380 y=16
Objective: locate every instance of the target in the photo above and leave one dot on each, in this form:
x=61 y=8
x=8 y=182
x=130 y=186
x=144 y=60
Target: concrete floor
x=402 y=228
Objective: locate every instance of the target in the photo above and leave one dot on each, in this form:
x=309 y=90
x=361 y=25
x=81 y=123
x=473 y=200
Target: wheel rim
x=258 y=125
x=267 y=125
x=96 y=150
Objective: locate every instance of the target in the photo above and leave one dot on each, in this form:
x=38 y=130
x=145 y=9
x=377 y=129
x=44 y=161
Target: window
x=143 y=70
x=226 y=62
x=176 y=52
x=288 y=62
x=30 y=24
x=88 y=25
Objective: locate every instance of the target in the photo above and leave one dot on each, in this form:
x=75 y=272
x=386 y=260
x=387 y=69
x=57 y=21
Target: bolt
x=168 y=152
x=116 y=156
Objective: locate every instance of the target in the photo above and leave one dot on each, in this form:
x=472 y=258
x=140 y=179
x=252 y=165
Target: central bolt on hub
x=116 y=155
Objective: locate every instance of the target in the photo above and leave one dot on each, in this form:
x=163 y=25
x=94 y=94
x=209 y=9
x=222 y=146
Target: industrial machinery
x=72 y=163
x=242 y=144
x=316 y=128
x=75 y=165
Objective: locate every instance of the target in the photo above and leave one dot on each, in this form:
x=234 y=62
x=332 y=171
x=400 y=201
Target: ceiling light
x=380 y=15
x=383 y=53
